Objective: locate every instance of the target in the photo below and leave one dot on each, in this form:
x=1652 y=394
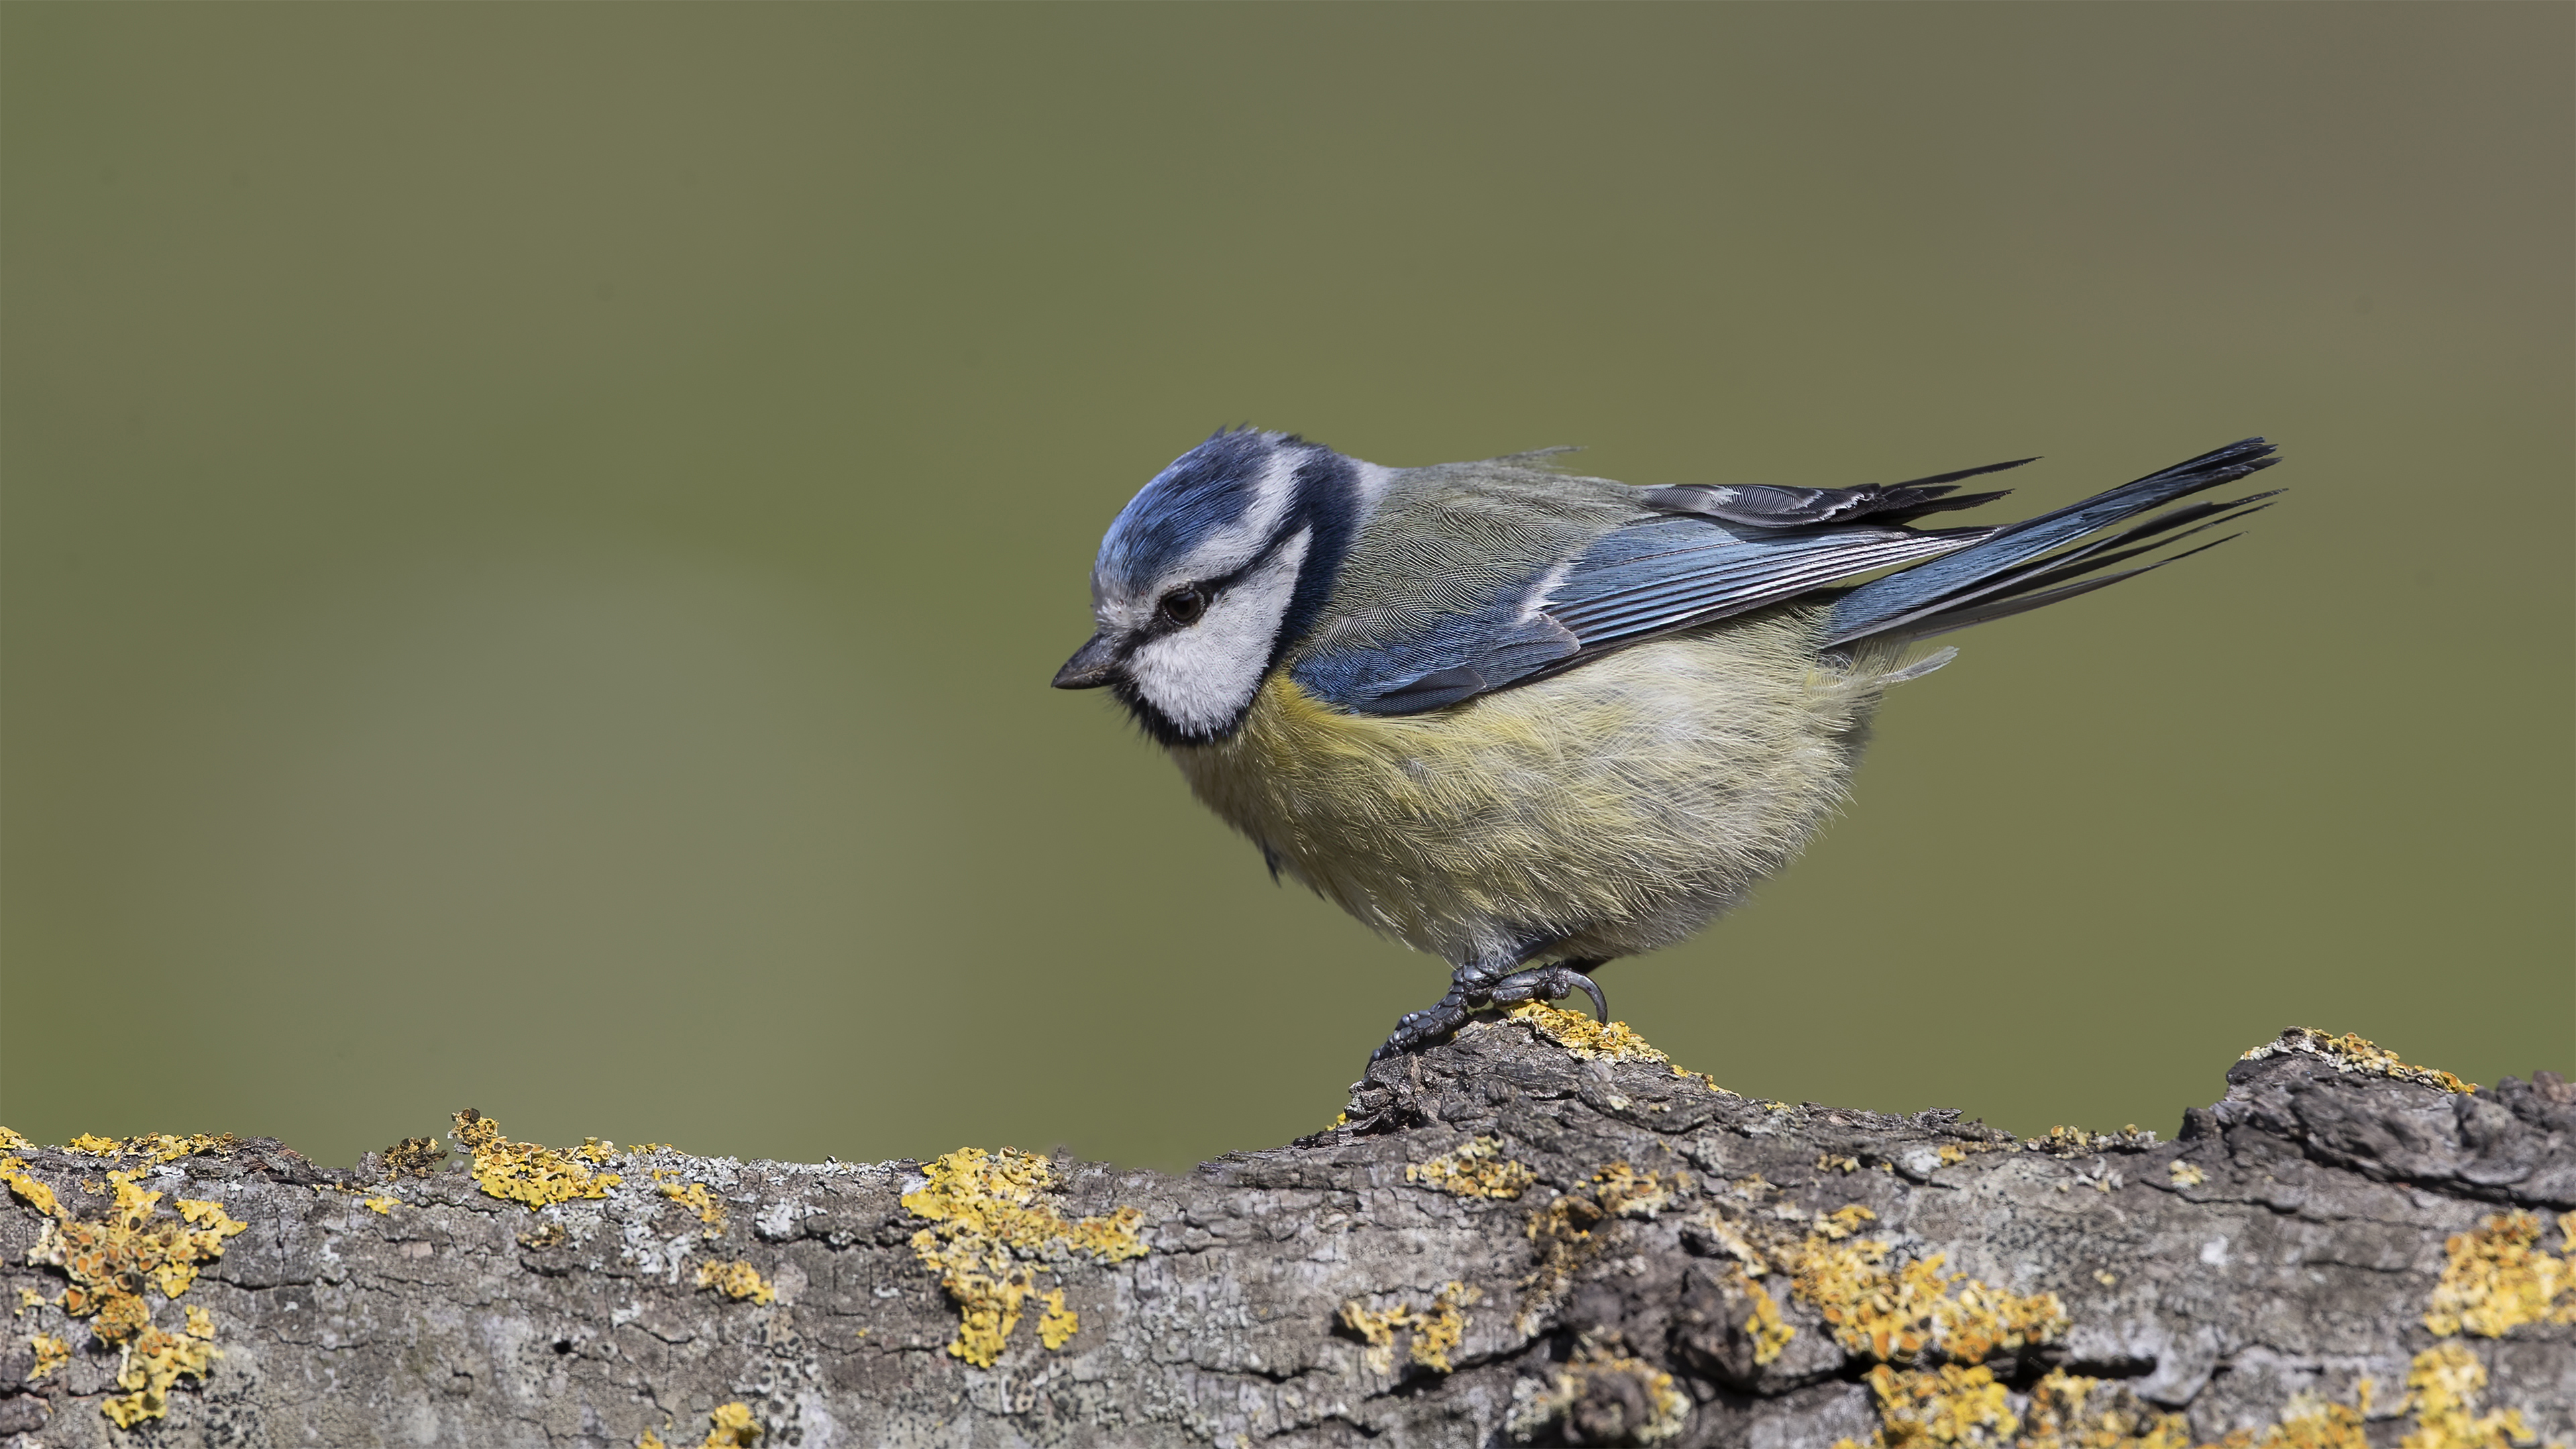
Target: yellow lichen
x=111 y=1260
x=1058 y=1324
x=205 y=1213
x=1704 y=1080
x=2184 y=1174
x=414 y=1157
x=1952 y=1404
x=697 y=1199
x=1376 y=1329
x=160 y=1147
x=1435 y=1327
x=1562 y=1233
x=2308 y=1422
x=544 y=1236
x=1564 y=1219
x=2349 y=1053
x=155 y=1361
x=1475 y=1168
x=1583 y=1037
x=1962 y=1404
x=993 y=1231
x=1842 y=1222
x=737 y=1280
x=2443 y=1385
x=380 y=1204
x=1900 y=1316
x=2070 y=1411
x=1593 y=1411
x=1732 y=1241
x=2076 y=1142
x=735 y=1428
x=2498 y=1278
x=28 y=1298
x=1629 y=1192
x=51 y=1353
x=201 y=1324
x=33 y=1193
x=164 y=1147
x=1442 y=1326
x=12 y=1142
x=1769 y=1334
x=523 y=1172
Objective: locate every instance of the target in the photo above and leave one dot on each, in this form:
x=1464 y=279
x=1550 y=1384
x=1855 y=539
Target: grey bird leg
x=1471 y=991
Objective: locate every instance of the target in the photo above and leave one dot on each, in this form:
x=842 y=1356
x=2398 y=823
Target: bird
x=1529 y=722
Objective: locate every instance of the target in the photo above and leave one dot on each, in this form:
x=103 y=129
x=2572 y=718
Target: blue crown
x=1206 y=489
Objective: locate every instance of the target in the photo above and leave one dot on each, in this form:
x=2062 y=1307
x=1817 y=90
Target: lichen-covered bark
x=1539 y=1232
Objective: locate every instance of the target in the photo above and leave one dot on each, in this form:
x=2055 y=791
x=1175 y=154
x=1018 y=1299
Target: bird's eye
x=1184 y=605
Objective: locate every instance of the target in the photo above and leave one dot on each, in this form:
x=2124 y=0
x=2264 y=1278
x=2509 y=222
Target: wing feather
x=1654 y=577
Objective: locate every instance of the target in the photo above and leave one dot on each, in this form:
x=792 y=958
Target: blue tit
x=1529 y=722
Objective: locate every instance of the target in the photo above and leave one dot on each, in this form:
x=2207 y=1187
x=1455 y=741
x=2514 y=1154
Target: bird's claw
x=1419 y=1029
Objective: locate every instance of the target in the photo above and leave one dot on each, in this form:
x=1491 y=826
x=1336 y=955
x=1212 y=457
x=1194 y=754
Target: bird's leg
x=1476 y=986
x=1422 y=1028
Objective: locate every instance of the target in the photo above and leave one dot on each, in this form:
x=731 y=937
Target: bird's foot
x=1540 y=983
x=1552 y=983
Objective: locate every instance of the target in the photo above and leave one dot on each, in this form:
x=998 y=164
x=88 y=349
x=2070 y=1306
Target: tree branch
x=1541 y=1232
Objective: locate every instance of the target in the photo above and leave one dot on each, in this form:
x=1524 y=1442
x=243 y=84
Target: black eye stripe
x=1208 y=590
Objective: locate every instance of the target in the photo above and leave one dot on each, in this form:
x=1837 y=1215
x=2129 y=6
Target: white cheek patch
x=1204 y=676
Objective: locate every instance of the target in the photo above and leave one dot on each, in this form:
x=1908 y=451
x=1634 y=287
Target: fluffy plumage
x=1517 y=718
x=1601 y=812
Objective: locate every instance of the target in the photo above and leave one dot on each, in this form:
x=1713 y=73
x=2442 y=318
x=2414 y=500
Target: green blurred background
x=535 y=539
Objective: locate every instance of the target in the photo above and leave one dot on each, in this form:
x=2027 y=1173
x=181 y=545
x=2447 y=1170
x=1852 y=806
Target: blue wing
x=1725 y=551
x=1653 y=577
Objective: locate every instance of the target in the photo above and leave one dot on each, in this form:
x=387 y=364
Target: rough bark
x=1538 y=1232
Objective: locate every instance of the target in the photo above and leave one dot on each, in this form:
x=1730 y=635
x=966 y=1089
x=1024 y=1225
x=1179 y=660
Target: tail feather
x=2057 y=568
x=2068 y=565
x=1950 y=620
x=2014 y=567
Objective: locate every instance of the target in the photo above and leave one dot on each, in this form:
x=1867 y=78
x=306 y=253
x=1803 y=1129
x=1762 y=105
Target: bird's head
x=1212 y=570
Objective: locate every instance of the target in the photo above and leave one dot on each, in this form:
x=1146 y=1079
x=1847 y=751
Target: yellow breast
x=1614 y=807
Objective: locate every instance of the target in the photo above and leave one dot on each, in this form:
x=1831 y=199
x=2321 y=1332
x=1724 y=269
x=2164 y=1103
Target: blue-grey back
x=1472 y=577
x=1444 y=568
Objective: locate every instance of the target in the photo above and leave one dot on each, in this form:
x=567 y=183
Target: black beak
x=1091 y=666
